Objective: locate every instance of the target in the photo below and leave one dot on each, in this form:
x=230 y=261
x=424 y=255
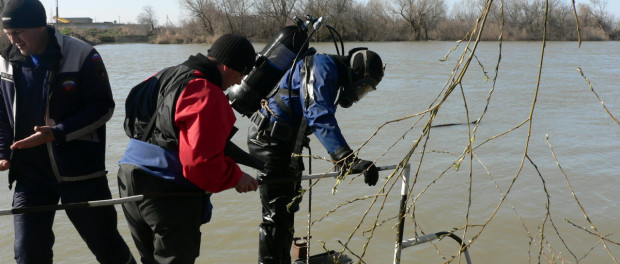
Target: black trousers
x=166 y=229
x=34 y=236
x=277 y=228
x=37 y=186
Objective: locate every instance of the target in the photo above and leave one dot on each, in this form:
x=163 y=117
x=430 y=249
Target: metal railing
x=400 y=243
x=399 y=246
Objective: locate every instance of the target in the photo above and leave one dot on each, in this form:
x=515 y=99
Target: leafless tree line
x=387 y=20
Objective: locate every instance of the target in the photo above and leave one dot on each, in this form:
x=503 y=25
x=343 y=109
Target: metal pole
x=57 y=16
x=97 y=203
x=401 y=214
x=430 y=237
x=141 y=197
x=309 y=234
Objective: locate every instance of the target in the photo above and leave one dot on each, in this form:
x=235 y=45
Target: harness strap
x=150 y=127
x=301 y=140
x=281 y=104
x=307 y=71
x=299 y=144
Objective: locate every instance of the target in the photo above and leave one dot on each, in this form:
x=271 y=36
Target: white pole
x=401 y=214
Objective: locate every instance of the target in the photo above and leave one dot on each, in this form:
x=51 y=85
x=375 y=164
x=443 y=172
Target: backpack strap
x=150 y=127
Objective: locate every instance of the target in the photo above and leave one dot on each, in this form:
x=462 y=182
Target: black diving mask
x=356 y=91
x=363 y=89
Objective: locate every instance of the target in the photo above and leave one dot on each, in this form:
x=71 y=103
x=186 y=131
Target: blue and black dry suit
x=311 y=93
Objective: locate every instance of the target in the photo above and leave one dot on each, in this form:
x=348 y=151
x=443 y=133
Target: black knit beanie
x=234 y=51
x=23 y=14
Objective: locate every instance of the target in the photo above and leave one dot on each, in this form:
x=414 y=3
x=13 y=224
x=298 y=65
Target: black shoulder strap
x=307 y=72
x=299 y=144
x=149 y=129
x=307 y=85
x=281 y=104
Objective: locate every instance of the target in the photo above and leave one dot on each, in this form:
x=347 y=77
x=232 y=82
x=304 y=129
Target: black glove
x=371 y=174
x=345 y=161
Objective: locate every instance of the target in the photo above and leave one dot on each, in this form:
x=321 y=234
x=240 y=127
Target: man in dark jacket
x=57 y=85
x=179 y=122
x=306 y=103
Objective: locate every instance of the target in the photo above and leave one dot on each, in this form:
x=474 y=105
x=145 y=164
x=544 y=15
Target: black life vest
x=156 y=97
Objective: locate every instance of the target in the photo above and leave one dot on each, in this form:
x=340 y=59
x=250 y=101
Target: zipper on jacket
x=50 y=150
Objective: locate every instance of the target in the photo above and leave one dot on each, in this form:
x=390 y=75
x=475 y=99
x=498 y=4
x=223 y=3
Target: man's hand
x=4 y=165
x=347 y=162
x=371 y=173
x=246 y=184
x=42 y=135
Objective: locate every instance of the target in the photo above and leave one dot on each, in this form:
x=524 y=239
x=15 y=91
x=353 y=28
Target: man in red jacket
x=179 y=121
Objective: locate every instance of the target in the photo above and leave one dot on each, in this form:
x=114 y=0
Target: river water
x=584 y=138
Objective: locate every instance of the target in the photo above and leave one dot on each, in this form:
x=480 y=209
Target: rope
x=265 y=105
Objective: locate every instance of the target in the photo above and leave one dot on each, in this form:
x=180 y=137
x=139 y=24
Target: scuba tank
x=272 y=63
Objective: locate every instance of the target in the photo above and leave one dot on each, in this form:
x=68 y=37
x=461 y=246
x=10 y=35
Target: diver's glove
x=345 y=161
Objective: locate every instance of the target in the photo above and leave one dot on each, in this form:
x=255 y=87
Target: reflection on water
x=585 y=139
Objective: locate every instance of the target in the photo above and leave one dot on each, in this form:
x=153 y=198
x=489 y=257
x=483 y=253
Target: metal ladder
x=400 y=243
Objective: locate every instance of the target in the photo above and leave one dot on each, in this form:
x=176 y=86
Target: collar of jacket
x=52 y=50
x=207 y=67
x=344 y=73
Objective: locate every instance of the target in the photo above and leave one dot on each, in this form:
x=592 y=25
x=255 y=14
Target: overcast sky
x=126 y=11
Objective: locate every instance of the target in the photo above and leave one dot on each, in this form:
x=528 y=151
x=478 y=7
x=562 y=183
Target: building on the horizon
x=84 y=22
